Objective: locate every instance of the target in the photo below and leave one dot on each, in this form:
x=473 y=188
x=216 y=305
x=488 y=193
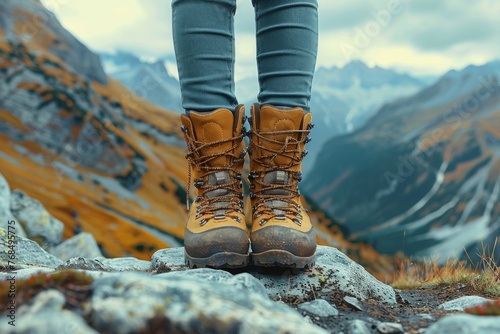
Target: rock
x=353 y=303
x=202 y=301
x=27 y=253
x=84 y=264
x=81 y=245
x=46 y=315
x=126 y=264
x=319 y=307
x=390 y=328
x=359 y=327
x=465 y=324
x=335 y=273
x=37 y=221
x=462 y=303
x=169 y=259
x=6 y=217
x=24 y=273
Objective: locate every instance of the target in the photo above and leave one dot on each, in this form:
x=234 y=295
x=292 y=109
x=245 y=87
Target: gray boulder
x=126 y=264
x=465 y=324
x=201 y=300
x=46 y=315
x=24 y=253
x=7 y=219
x=84 y=264
x=462 y=303
x=169 y=259
x=25 y=273
x=334 y=272
x=36 y=220
x=80 y=245
x=319 y=307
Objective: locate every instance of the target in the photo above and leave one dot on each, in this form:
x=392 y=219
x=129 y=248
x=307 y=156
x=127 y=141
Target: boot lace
x=278 y=198
x=219 y=205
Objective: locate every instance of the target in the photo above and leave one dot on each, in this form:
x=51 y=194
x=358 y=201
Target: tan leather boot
x=216 y=235
x=282 y=234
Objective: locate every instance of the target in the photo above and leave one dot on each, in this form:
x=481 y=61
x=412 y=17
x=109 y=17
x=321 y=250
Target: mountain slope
x=423 y=175
x=344 y=98
x=71 y=138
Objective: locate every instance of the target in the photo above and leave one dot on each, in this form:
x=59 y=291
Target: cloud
x=427 y=36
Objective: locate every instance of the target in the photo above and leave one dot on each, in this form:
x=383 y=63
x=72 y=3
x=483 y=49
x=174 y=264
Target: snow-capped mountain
x=343 y=99
x=422 y=176
x=150 y=80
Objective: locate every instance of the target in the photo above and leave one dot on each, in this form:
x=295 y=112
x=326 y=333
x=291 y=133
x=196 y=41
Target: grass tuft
x=483 y=277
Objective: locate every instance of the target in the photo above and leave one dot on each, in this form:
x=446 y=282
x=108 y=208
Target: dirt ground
x=416 y=309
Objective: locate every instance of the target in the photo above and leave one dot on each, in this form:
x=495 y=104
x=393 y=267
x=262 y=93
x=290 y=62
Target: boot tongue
x=276 y=177
x=216 y=179
x=274 y=119
x=214 y=126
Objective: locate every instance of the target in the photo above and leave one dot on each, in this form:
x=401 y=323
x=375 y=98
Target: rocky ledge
x=54 y=286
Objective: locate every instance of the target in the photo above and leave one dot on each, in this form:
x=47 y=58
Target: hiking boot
x=282 y=234
x=216 y=235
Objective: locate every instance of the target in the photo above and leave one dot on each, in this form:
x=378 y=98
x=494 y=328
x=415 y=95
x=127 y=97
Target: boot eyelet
x=262 y=222
x=203 y=222
x=184 y=129
x=220 y=217
x=296 y=221
x=280 y=217
x=310 y=126
x=252 y=195
x=237 y=219
x=308 y=139
x=244 y=119
x=304 y=153
x=250 y=120
x=249 y=150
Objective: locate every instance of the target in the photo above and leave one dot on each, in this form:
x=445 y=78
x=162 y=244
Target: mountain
x=99 y=158
x=149 y=80
x=345 y=98
x=422 y=176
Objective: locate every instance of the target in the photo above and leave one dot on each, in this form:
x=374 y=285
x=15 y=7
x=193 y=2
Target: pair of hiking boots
x=216 y=233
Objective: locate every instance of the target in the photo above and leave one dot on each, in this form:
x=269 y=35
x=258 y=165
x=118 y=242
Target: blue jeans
x=287 y=44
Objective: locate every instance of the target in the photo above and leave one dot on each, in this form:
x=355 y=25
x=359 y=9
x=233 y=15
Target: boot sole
x=282 y=258
x=218 y=260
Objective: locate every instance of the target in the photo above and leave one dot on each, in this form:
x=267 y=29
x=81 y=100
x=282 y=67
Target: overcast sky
x=425 y=37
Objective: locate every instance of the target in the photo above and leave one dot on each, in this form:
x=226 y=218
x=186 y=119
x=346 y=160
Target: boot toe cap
x=298 y=243
x=219 y=240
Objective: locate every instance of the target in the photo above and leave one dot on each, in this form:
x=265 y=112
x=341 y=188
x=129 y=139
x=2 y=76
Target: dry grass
x=483 y=277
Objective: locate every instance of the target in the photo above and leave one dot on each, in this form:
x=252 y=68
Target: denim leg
x=287 y=46
x=204 y=48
